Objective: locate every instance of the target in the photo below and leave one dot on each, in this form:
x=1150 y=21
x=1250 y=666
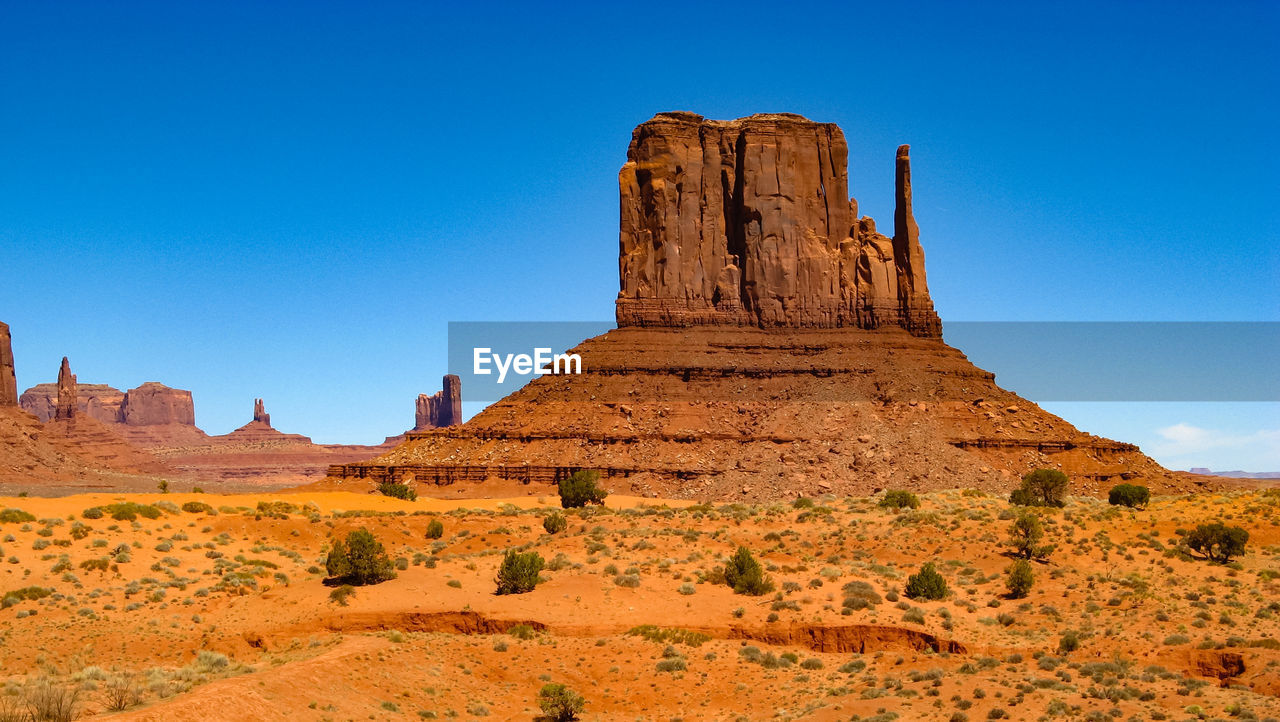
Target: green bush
x=1130 y=495
x=1019 y=578
x=560 y=703
x=435 y=529
x=92 y=512
x=926 y=584
x=398 y=491
x=340 y=594
x=744 y=574
x=581 y=489
x=1218 y=542
x=554 y=523
x=126 y=511
x=8 y=599
x=1025 y=535
x=1041 y=487
x=518 y=572
x=15 y=516
x=360 y=560
x=197 y=507
x=899 y=499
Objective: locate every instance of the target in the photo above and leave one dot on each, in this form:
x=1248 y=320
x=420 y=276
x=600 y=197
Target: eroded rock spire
x=67 y=407
x=8 y=381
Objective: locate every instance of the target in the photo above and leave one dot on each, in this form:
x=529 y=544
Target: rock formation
x=748 y=223
x=443 y=408
x=260 y=413
x=770 y=344
x=8 y=381
x=151 y=404
x=66 y=408
x=154 y=404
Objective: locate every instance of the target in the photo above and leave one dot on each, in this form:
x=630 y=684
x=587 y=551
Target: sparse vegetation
x=560 y=703
x=580 y=489
x=899 y=499
x=435 y=529
x=926 y=584
x=15 y=516
x=360 y=560
x=1218 y=542
x=554 y=523
x=397 y=490
x=1041 y=487
x=744 y=574
x=1025 y=535
x=1019 y=578
x=519 y=572
x=1133 y=496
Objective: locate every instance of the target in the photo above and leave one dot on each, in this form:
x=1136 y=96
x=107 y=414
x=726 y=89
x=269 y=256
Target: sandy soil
x=225 y=614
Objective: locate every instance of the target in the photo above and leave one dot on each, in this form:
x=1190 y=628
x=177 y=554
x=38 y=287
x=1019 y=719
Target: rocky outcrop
x=8 y=380
x=443 y=408
x=260 y=412
x=154 y=404
x=748 y=223
x=66 y=408
x=151 y=404
x=771 y=343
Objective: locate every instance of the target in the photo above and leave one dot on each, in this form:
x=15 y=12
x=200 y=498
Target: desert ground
x=224 y=612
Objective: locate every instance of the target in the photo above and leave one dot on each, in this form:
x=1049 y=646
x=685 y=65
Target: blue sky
x=291 y=200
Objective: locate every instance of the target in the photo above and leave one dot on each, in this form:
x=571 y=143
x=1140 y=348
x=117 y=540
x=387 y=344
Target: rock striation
x=8 y=380
x=770 y=344
x=441 y=409
x=748 y=223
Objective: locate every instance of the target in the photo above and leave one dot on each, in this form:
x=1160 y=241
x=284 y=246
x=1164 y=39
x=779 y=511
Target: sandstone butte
x=770 y=343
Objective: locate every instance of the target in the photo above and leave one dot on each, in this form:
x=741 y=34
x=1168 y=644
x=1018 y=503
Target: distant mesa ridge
x=151 y=404
x=748 y=222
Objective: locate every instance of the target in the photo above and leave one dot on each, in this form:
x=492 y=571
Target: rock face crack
x=765 y=236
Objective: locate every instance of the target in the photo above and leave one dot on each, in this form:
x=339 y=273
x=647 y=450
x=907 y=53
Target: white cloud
x=1187 y=443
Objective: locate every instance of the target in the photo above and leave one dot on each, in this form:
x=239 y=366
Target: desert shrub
x=1218 y=542
x=92 y=512
x=340 y=594
x=554 y=523
x=359 y=560
x=8 y=599
x=96 y=565
x=745 y=575
x=197 y=507
x=51 y=702
x=1133 y=496
x=899 y=499
x=1025 y=535
x=1069 y=642
x=518 y=572
x=128 y=511
x=1018 y=579
x=120 y=693
x=1041 y=487
x=15 y=516
x=926 y=584
x=560 y=703
x=581 y=489
x=397 y=490
x=435 y=529
x=860 y=595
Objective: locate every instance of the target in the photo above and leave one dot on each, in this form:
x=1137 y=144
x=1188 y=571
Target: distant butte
x=770 y=343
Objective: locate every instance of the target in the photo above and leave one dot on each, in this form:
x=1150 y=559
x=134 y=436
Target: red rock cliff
x=748 y=222
x=443 y=408
x=154 y=404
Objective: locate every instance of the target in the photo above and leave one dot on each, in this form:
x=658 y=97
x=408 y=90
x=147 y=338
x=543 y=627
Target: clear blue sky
x=291 y=200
